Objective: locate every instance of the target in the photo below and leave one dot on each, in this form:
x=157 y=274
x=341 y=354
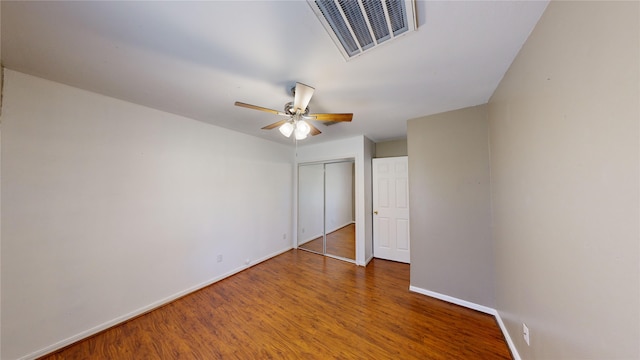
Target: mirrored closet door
x=326 y=210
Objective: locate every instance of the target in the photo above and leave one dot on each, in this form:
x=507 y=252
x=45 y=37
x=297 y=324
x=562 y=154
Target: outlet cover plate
x=525 y=333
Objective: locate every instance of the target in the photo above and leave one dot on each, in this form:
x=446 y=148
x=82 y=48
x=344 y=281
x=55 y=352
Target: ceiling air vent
x=357 y=26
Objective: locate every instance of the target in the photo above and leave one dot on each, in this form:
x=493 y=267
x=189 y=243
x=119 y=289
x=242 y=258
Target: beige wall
x=391 y=148
x=564 y=168
x=451 y=250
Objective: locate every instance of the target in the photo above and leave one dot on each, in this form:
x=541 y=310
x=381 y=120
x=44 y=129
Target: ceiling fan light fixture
x=300 y=135
x=294 y=122
x=303 y=126
x=286 y=129
x=302 y=130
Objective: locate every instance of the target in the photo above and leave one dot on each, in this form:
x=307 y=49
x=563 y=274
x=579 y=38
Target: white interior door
x=391 y=209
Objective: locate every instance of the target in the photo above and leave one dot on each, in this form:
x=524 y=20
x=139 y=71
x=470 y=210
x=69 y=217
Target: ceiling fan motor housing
x=288 y=108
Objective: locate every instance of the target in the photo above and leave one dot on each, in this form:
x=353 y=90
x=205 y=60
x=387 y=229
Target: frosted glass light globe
x=286 y=129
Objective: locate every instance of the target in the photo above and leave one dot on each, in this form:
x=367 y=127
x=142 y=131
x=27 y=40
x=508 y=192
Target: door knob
x=376 y=212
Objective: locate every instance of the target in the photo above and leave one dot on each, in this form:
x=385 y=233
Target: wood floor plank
x=302 y=305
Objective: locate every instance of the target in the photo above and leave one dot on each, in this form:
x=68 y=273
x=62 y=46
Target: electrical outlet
x=247 y=262
x=284 y=236
x=525 y=333
x=219 y=258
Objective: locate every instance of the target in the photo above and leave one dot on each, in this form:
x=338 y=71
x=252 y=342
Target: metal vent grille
x=357 y=26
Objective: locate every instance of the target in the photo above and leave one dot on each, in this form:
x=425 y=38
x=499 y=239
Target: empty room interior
x=320 y=179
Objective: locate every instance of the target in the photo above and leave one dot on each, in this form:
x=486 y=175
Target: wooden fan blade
x=314 y=130
x=302 y=96
x=275 y=124
x=331 y=117
x=255 y=107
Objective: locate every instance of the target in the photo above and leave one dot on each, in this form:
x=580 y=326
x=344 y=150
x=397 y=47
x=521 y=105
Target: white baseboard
x=258 y=261
x=512 y=346
x=302 y=242
x=451 y=299
x=329 y=231
x=366 y=262
x=309 y=239
x=145 y=309
x=474 y=306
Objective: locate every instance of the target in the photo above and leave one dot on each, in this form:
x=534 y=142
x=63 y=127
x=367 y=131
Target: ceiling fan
x=297 y=112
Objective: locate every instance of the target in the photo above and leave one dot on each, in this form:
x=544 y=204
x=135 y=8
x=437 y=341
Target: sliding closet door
x=326 y=212
x=311 y=207
x=339 y=209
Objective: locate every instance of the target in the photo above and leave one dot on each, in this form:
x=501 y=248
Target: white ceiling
x=197 y=58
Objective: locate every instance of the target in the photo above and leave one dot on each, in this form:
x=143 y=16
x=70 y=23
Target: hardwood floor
x=341 y=242
x=303 y=306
